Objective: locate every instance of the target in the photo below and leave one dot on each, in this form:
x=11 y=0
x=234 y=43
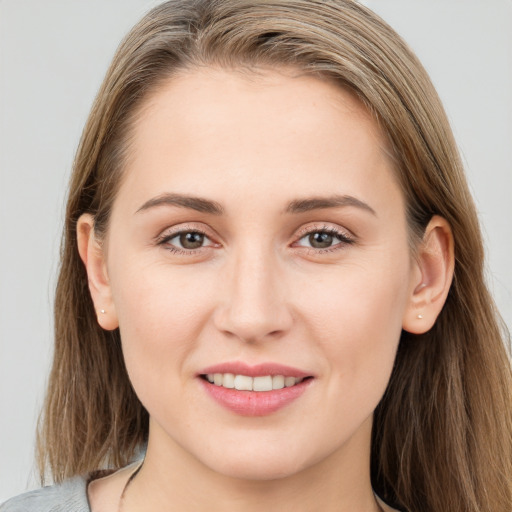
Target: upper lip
x=258 y=370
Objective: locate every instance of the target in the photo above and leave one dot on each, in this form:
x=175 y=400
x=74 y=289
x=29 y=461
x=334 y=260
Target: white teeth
x=228 y=380
x=262 y=383
x=277 y=382
x=289 y=381
x=245 y=383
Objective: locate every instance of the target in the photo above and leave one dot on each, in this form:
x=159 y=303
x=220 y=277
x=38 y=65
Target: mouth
x=254 y=390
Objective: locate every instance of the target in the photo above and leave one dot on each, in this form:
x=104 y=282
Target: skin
x=258 y=291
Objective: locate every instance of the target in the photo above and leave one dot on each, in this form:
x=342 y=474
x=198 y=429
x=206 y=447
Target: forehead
x=209 y=97
x=211 y=131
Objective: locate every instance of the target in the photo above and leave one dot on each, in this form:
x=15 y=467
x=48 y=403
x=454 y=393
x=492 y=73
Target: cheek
x=360 y=298
x=356 y=319
x=161 y=315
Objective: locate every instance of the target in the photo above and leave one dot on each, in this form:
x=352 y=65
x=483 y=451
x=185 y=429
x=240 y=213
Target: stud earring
x=102 y=311
x=420 y=316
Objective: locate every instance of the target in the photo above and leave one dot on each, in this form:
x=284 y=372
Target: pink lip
x=255 y=403
x=259 y=370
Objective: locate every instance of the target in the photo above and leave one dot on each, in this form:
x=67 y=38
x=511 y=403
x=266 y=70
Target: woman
x=271 y=289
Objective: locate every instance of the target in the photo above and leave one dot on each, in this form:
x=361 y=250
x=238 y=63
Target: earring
x=420 y=316
x=102 y=311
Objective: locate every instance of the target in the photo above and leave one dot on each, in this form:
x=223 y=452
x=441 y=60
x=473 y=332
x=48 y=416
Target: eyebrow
x=334 y=201
x=194 y=203
x=297 y=206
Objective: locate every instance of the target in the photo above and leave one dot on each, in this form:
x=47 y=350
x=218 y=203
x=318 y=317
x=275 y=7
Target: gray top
x=69 y=496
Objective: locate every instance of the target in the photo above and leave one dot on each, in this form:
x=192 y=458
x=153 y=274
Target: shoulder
x=69 y=496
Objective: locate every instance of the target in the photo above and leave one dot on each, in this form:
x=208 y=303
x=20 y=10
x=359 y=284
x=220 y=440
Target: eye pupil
x=191 y=240
x=320 y=240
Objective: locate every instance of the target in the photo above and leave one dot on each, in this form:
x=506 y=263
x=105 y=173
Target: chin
x=259 y=464
x=260 y=471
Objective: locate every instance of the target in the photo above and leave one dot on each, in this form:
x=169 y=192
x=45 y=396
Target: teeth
x=228 y=381
x=277 y=382
x=245 y=383
x=289 y=381
x=262 y=383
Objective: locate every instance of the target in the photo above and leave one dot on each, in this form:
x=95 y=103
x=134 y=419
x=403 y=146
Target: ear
x=432 y=276
x=93 y=257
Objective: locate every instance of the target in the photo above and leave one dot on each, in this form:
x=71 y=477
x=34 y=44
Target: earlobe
x=93 y=256
x=431 y=277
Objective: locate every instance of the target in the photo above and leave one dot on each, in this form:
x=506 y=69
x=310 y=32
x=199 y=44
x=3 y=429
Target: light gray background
x=53 y=55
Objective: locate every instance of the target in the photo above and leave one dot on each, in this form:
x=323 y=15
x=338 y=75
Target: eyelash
x=164 y=240
x=343 y=238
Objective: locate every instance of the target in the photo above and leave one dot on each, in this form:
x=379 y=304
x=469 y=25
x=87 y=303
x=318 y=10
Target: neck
x=173 y=479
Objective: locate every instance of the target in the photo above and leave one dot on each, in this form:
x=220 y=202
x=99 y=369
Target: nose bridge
x=255 y=303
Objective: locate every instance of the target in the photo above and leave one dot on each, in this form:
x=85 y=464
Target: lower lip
x=255 y=403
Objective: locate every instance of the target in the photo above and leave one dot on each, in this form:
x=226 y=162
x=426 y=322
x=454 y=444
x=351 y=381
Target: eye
x=189 y=240
x=325 y=238
x=185 y=241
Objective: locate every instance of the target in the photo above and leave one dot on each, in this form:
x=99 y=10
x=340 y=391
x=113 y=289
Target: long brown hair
x=442 y=436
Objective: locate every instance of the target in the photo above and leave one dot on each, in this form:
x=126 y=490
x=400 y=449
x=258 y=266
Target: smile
x=246 y=383
x=254 y=390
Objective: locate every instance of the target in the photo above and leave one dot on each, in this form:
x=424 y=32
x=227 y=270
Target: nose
x=255 y=305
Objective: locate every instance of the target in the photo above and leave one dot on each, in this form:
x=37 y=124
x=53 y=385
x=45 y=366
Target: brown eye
x=320 y=240
x=191 y=240
x=185 y=241
x=325 y=239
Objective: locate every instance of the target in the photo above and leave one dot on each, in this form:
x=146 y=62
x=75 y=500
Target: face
x=258 y=239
